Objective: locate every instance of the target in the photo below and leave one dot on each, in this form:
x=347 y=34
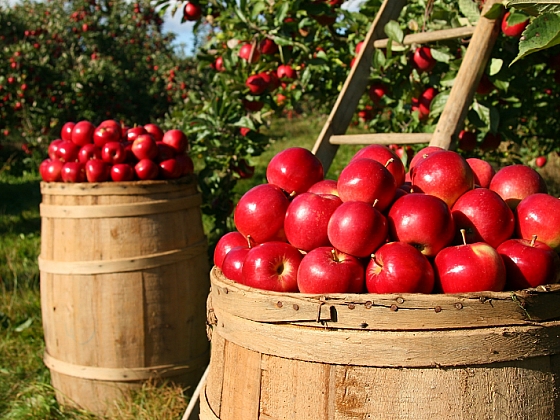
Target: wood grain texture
x=322 y=371
x=432 y=36
x=149 y=314
x=381 y=138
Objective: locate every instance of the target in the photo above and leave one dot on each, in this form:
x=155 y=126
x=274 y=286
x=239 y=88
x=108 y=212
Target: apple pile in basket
x=449 y=225
x=111 y=152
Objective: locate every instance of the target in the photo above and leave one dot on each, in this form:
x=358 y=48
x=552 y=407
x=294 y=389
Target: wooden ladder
x=461 y=95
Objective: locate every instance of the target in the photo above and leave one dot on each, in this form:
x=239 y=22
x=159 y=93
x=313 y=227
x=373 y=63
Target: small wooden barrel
x=365 y=356
x=124 y=281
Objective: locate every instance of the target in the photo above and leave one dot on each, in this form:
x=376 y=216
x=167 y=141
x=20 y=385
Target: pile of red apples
x=448 y=225
x=112 y=152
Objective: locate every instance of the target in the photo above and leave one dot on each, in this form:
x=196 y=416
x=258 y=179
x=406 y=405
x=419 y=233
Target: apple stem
x=334 y=256
x=464 y=236
x=375 y=202
x=293 y=194
x=533 y=240
x=249 y=241
x=391 y=160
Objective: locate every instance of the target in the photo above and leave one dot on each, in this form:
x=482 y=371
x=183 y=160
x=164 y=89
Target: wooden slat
x=381 y=138
x=355 y=85
x=433 y=36
x=470 y=72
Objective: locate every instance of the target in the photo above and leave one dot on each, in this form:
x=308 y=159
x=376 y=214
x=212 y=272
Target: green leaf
x=475 y=120
x=542 y=33
x=378 y=59
x=483 y=113
x=394 y=31
x=470 y=10
x=495 y=66
x=516 y=17
x=535 y=7
x=438 y=103
x=494 y=119
x=258 y=7
x=281 y=14
x=441 y=56
x=501 y=84
x=495 y=11
x=24 y=325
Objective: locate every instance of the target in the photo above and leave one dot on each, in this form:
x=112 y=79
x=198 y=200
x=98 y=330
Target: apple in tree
x=192 y=11
x=122 y=172
x=272 y=266
x=445 y=174
x=469 y=268
x=484 y=216
x=377 y=91
x=155 y=131
x=256 y=84
x=294 y=170
x=423 y=60
x=357 y=228
x=529 y=263
x=423 y=221
x=286 y=72
x=73 y=172
x=268 y=46
x=386 y=157
x=50 y=170
x=232 y=264
x=66 y=131
x=113 y=152
x=327 y=270
x=539 y=214
x=176 y=139
x=485 y=86
x=82 y=133
x=307 y=218
x=483 y=172
x=397 y=267
x=325 y=186
x=225 y=244
x=367 y=180
x=467 y=140
x=250 y=54
x=146 y=169
x=540 y=161
x=260 y=213
x=145 y=147
x=97 y=170
x=491 y=141
x=515 y=182
x=514 y=26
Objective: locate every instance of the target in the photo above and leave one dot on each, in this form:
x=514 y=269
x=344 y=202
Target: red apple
x=423 y=221
x=146 y=169
x=423 y=59
x=423 y=154
x=469 y=268
x=514 y=27
x=268 y=46
x=295 y=170
x=50 y=170
x=232 y=265
x=286 y=72
x=106 y=134
x=357 y=228
x=73 y=172
x=256 y=84
x=260 y=213
x=467 y=141
x=67 y=151
x=483 y=172
x=327 y=270
x=529 y=263
x=155 y=131
x=113 y=152
x=186 y=163
x=170 y=169
x=444 y=174
x=515 y=182
x=192 y=11
x=386 y=157
x=165 y=151
x=540 y=161
x=377 y=91
x=97 y=170
x=177 y=140
x=134 y=132
x=491 y=141
x=145 y=147
x=539 y=214
x=307 y=218
x=272 y=266
x=82 y=133
x=112 y=123
x=66 y=131
x=398 y=267
x=367 y=180
x=253 y=106
x=53 y=148
x=484 y=216
x=122 y=172
x=247 y=50
x=88 y=152
x=325 y=186
x=225 y=244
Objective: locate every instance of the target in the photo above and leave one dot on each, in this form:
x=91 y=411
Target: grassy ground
x=25 y=391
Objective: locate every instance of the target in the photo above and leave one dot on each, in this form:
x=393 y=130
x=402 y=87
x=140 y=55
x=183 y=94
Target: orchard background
x=265 y=76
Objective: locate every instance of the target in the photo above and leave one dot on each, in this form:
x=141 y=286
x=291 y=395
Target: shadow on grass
x=19 y=207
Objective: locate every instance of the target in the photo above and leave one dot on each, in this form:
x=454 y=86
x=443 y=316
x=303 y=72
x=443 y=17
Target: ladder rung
x=427 y=37
x=381 y=138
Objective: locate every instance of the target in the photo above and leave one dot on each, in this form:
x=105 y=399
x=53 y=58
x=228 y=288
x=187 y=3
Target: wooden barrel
x=364 y=356
x=124 y=281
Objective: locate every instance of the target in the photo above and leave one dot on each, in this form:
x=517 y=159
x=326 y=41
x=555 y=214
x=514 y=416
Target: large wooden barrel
x=124 y=281
x=366 y=356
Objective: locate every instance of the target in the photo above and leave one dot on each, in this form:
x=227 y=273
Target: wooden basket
x=124 y=280
x=366 y=356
